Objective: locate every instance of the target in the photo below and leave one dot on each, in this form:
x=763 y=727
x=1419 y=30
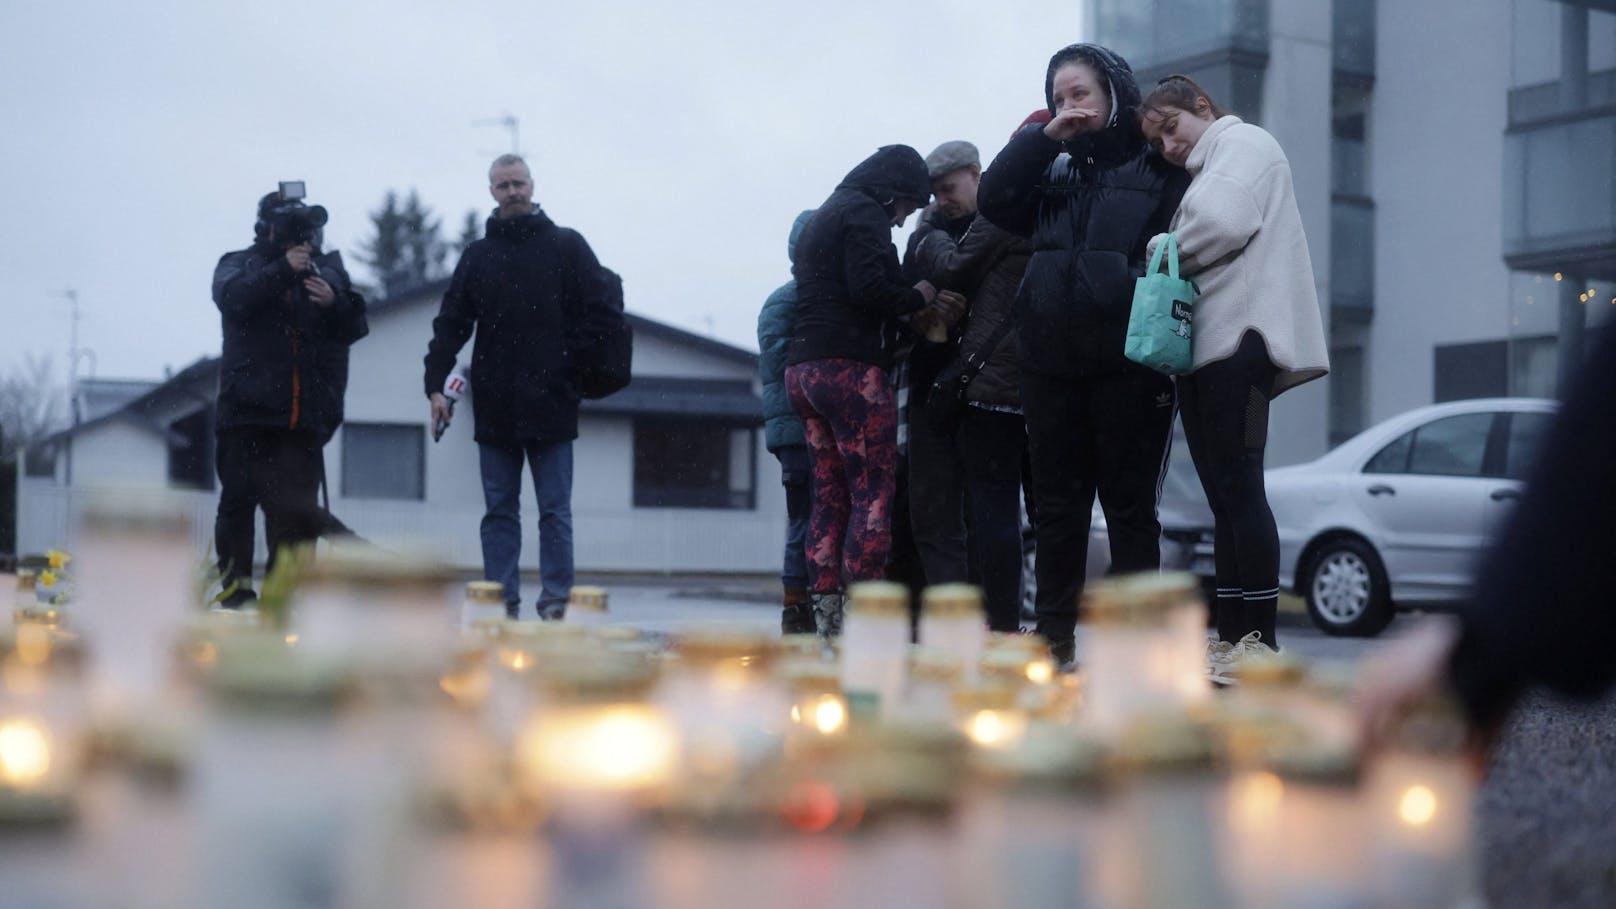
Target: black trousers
x=964 y=489
x=1226 y=425
x=278 y=470
x=1107 y=434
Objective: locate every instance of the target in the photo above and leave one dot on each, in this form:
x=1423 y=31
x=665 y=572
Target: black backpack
x=602 y=361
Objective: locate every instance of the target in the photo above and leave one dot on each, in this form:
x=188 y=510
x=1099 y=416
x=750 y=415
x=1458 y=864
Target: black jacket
x=285 y=359
x=524 y=287
x=1090 y=205
x=850 y=288
x=1542 y=613
x=985 y=264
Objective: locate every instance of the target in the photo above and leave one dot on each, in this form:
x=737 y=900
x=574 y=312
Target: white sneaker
x=1224 y=658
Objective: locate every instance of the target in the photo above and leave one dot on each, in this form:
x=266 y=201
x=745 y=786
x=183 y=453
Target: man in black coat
x=1089 y=192
x=288 y=315
x=525 y=288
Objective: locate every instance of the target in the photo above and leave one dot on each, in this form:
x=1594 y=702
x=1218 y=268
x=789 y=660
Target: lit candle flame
x=994 y=728
x=613 y=748
x=830 y=715
x=1417 y=807
x=1040 y=672
x=25 y=753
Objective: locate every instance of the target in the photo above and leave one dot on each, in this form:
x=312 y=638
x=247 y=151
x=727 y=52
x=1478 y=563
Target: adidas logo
x=1164 y=399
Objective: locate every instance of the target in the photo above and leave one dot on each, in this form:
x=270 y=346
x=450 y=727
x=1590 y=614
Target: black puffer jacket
x=985 y=265
x=850 y=288
x=285 y=360
x=524 y=287
x=1090 y=205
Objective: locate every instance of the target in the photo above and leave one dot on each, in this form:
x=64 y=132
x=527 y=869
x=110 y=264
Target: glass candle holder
x=587 y=606
x=933 y=676
x=1029 y=821
x=1137 y=654
x=730 y=708
x=874 y=647
x=818 y=709
x=1161 y=849
x=1421 y=795
x=136 y=563
x=484 y=603
x=952 y=621
x=377 y=609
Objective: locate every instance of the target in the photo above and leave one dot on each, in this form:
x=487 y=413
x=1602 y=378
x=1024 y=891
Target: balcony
x=1560 y=193
x=1151 y=33
x=1352 y=38
x=1352 y=258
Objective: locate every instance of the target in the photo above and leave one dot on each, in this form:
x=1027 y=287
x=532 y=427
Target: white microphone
x=455 y=386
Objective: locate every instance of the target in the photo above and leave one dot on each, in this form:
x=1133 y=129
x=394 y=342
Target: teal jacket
x=781 y=425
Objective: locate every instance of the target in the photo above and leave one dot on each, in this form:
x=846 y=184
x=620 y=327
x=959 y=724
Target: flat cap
x=951 y=156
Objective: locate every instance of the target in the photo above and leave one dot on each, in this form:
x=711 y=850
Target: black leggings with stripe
x=1225 y=412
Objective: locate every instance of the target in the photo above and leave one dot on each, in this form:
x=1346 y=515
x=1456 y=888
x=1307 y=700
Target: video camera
x=292 y=221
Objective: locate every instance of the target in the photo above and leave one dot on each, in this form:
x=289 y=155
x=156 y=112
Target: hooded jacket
x=1090 y=205
x=284 y=362
x=524 y=287
x=781 y=425
x=850 y=288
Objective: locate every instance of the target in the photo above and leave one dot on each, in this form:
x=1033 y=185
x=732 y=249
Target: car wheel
x=1346 y=589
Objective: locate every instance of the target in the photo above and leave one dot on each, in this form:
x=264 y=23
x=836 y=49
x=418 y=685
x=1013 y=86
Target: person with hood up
x=1090 y=193
x=783 y=433
x=851 y=300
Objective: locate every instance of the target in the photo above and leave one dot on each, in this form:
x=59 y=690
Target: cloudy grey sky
x=681 y=139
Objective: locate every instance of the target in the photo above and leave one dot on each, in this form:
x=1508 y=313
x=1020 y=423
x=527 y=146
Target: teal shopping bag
x=1163 y=310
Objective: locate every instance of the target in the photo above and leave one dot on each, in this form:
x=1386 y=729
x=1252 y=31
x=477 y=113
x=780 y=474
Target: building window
x=190 y=451
x=1534 y=366
x=691 y=462
x=383 y=461
x=1478 y=370
x=1346 y=393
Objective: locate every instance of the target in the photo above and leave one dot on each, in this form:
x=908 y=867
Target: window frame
x=657 y=497
x=417 y=431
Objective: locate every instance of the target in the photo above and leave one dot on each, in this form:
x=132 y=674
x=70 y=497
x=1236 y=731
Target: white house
x=671 y=474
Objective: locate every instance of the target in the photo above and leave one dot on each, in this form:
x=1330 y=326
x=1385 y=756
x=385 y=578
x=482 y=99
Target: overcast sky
x=681 y=139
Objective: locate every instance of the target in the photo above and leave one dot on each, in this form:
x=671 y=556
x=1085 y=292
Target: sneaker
x=240 y=598
x=1224 y=658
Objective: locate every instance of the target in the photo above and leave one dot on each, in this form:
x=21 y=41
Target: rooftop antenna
x=510 y=122
x=74 y=352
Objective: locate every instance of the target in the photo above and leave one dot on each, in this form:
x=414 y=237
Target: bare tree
x=33 y=404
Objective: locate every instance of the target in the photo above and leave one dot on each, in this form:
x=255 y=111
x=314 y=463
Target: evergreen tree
x=471 y=230
x=406 y=249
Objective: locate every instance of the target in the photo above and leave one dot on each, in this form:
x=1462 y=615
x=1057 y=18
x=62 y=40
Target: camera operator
x=288 y=314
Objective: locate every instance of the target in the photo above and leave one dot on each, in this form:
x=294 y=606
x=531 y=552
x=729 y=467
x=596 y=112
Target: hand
x=298 y=257
x=1150 y=248
x=1398 y=674
x=319 y=291
x=949 y=306
x=442 y=412
x=1070 y=122
x=927 y=290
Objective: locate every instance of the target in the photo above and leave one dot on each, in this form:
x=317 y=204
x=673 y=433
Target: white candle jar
x=732 y=712
x=1420 y=798
x=358 y=603
x=483 y=605
x=136 y=565
x=1144 y=651
x=875 y=647
x=587 y=606
x=952 y=621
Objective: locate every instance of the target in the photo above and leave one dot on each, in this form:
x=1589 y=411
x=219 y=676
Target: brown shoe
x=797 y=613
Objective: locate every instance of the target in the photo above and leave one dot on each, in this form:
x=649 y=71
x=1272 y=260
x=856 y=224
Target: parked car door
x=1523 y=434
x=1427 y=496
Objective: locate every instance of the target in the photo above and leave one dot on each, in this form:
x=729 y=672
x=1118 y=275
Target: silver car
x=1397 y=516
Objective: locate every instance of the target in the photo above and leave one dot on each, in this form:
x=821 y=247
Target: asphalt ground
x=1547 y=809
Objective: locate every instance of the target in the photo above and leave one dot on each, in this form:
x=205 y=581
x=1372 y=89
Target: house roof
x=726 y=399
x=643 y=325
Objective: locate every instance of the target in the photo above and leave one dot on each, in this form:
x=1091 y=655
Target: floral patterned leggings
x=851 y=419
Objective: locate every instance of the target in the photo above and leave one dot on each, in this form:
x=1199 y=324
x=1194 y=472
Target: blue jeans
x=796 y=470
x=551 y=463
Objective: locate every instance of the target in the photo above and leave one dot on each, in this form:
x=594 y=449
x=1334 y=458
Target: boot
x=797 y=615
x=828 y=614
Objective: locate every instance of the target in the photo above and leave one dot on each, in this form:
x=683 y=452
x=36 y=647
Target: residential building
x=671 y=473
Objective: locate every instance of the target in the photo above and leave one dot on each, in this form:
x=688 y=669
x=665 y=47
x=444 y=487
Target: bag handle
x=1169 y=245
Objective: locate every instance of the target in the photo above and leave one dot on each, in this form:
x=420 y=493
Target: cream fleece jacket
x=1240 y=239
